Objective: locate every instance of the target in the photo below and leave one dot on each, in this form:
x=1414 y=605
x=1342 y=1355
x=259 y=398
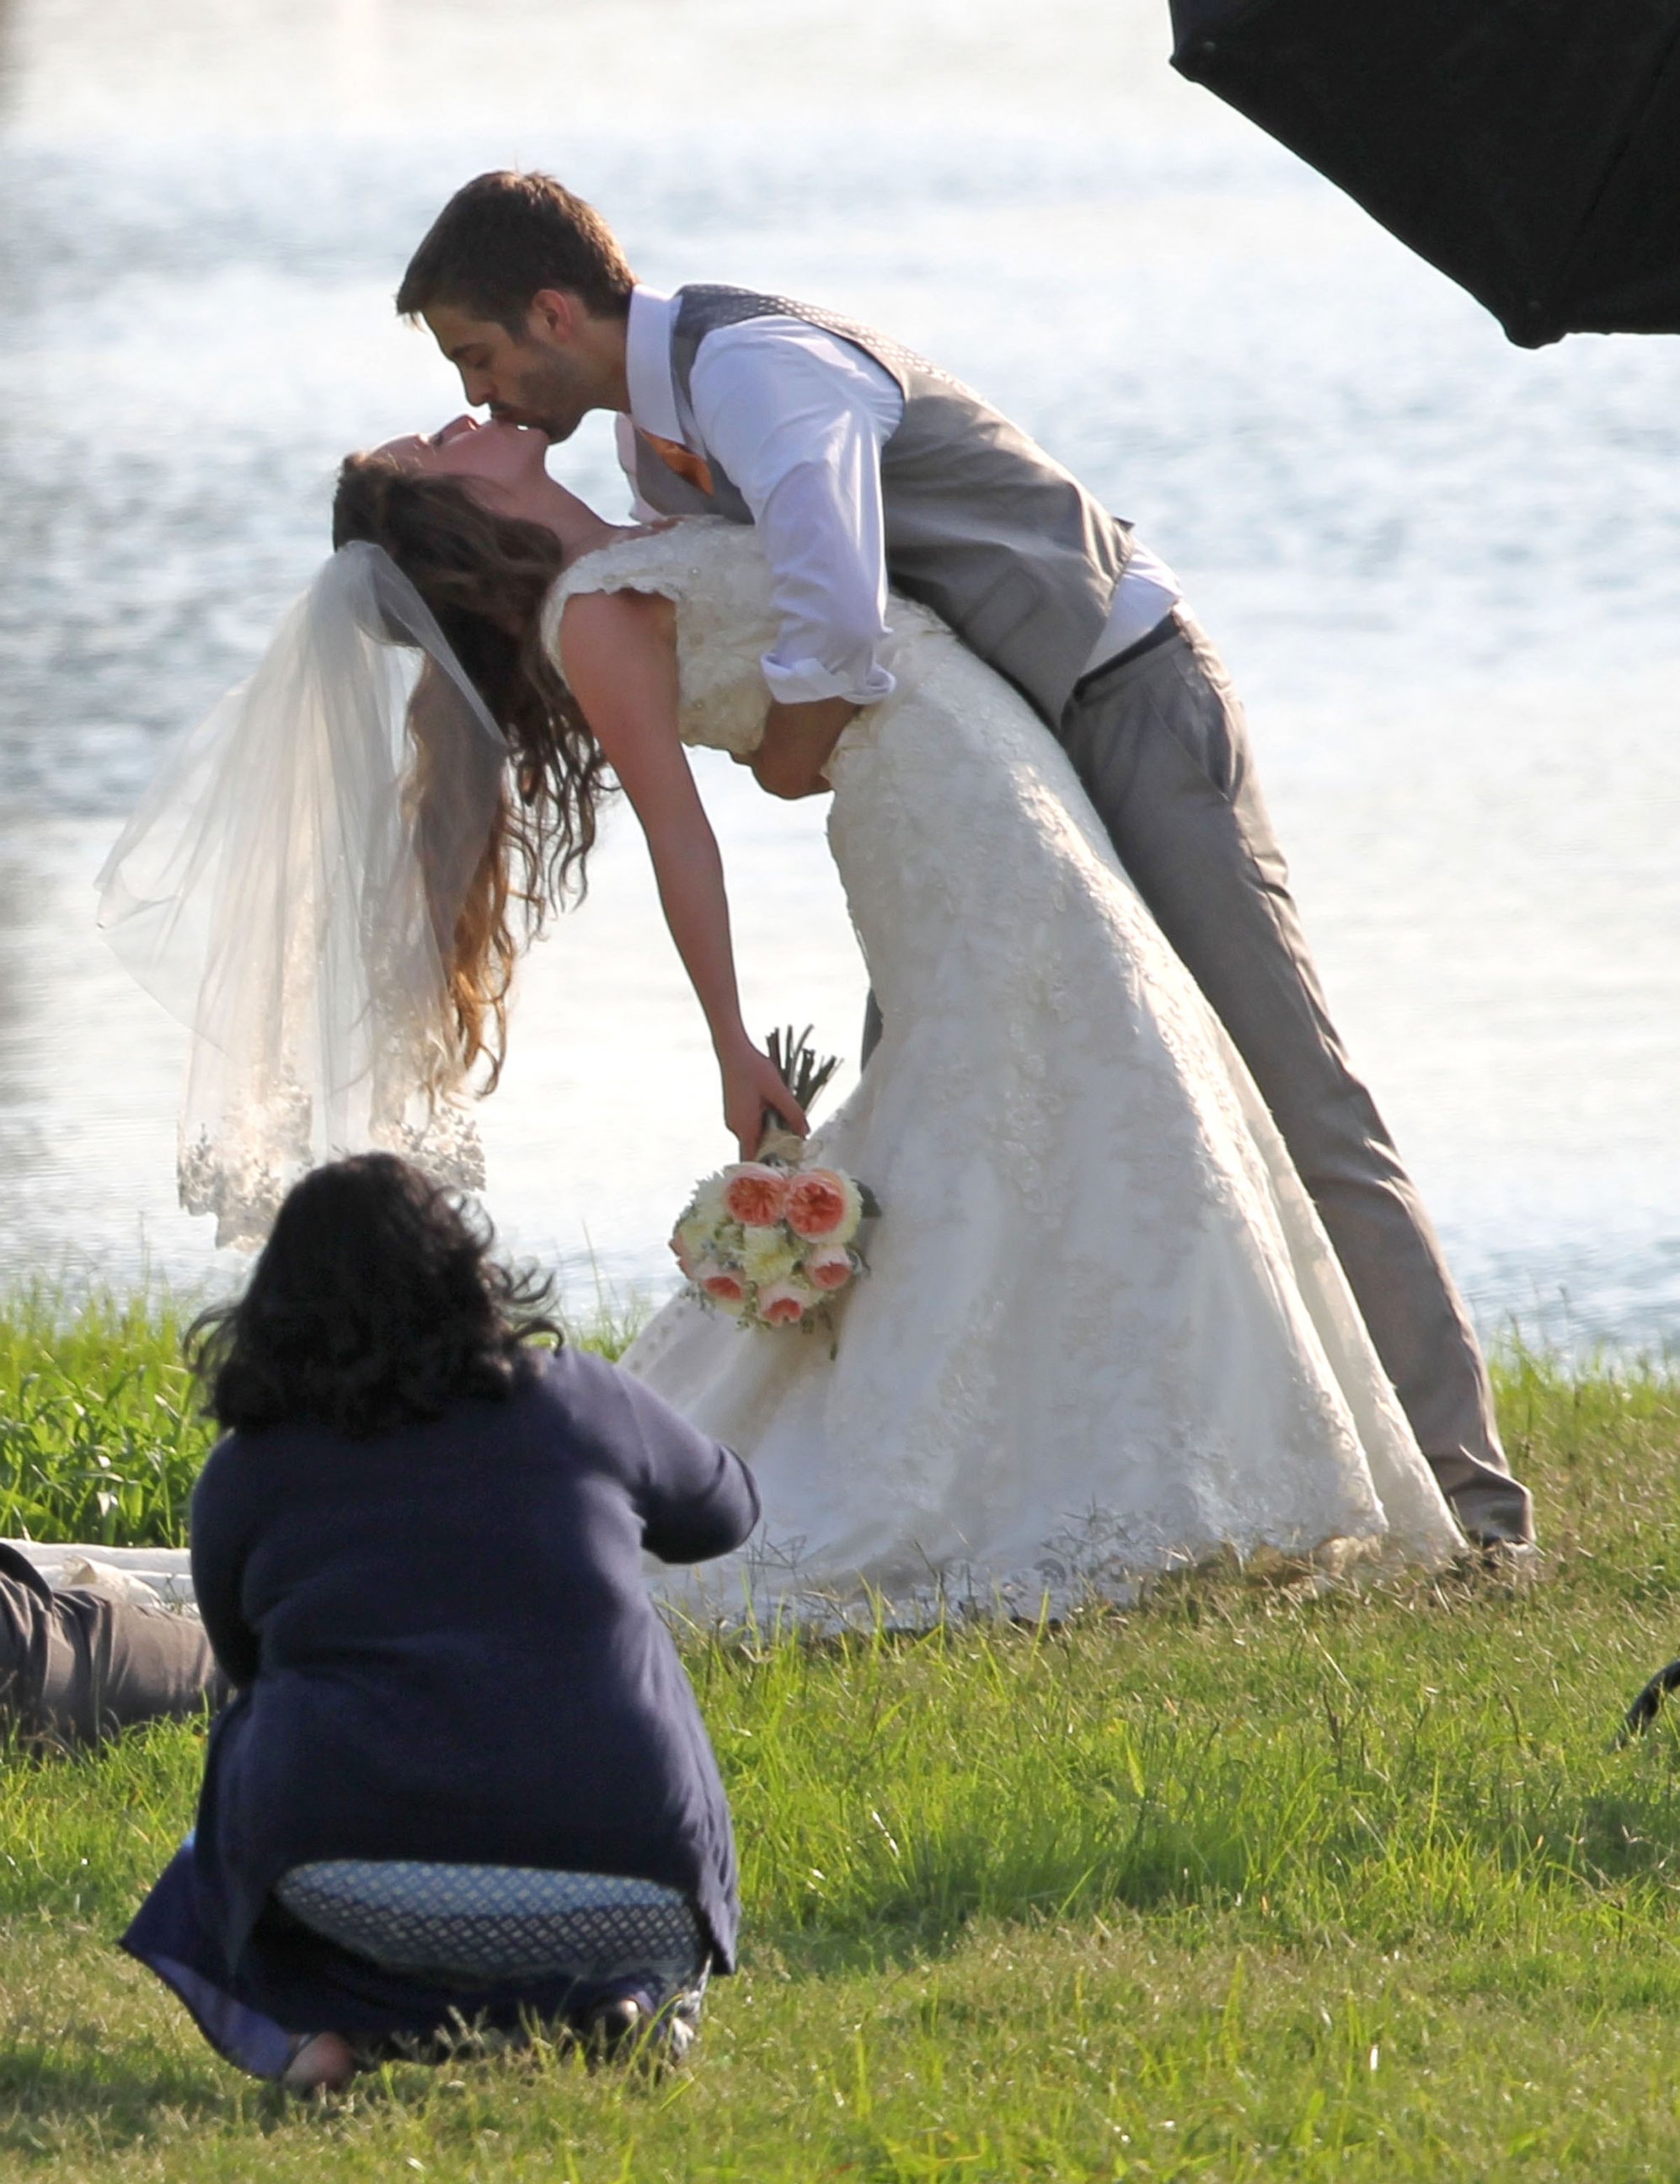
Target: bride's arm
x=618 y=655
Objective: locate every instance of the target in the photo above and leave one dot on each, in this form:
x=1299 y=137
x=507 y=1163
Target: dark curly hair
x=375 y=1303
x=485 y=578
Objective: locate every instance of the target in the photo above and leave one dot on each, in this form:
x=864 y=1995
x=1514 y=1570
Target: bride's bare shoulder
x=613 y=622
x=622 y=563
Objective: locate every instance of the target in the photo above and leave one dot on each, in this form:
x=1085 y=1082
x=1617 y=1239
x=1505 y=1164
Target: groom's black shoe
x=1511 y=1562
x=1493 y=1511
x=1496 y=1518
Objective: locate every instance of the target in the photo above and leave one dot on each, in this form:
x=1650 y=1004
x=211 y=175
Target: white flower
x=768 y=1255
x=693 y=1241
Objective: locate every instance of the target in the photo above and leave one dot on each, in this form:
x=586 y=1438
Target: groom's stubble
x=539 y=377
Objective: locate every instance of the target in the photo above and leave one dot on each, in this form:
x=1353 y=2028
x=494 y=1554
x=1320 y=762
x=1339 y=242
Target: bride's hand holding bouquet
x=755 y=1098
x=772 y=1240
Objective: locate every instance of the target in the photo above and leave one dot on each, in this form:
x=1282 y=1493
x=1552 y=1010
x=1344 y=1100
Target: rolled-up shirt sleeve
x=797 y=419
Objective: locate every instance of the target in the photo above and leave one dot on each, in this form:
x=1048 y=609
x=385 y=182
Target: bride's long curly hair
x=485 y=578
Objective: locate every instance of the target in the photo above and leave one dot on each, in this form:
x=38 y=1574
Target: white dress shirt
x=798 y=418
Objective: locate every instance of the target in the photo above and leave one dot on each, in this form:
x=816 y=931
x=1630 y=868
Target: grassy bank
x=1244 y=1884
x=100 y=1432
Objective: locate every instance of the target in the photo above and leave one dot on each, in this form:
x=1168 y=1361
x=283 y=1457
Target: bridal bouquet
x=772 y=1241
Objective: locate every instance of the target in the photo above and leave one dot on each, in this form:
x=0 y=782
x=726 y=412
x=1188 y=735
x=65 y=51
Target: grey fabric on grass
x=79 y=1665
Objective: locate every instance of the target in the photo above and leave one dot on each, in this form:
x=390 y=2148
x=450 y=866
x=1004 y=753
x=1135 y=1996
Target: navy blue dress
x=444 y=1650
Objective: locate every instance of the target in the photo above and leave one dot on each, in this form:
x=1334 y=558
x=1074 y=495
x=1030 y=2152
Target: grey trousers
x=76 y=1666
x=1161 y=745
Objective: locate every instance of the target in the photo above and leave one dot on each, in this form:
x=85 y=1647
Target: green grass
x=100 y=1436
x=1247 y=1884
x=101 y=1433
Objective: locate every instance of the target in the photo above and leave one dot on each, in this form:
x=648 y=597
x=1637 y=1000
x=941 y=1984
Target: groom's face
x=536 y=377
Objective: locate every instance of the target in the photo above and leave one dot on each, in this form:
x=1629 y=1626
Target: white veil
x=286 y=890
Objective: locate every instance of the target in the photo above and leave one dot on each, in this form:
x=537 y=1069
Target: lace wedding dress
x=1102 y=1335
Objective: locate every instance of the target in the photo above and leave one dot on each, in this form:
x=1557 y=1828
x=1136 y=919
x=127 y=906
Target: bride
x=1103 y=1335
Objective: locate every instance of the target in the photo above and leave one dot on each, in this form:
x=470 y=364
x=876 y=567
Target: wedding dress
x=1103 y=1335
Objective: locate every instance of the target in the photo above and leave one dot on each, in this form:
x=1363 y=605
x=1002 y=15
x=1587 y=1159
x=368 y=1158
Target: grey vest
x=981 y=524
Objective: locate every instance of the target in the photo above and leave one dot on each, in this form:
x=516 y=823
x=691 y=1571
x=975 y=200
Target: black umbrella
x=1530 y=148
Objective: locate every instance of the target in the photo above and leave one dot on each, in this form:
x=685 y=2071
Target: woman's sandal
x=320 y=2063
x=628 y=2029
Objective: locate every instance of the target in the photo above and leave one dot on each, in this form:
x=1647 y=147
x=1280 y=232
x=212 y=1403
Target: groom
x=858 y=460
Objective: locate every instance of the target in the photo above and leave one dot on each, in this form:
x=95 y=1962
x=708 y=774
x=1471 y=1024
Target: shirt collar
x=647 y=364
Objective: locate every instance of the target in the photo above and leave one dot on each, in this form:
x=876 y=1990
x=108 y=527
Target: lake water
x=1446 y=572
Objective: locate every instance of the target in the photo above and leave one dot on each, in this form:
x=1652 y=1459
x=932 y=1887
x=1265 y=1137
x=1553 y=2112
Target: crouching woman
x=464 y=1778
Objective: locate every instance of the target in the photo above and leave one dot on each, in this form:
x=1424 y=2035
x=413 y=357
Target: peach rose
x=829 y=1268
x=782 y=1304
x=823 y=1206
x=722 y=1285
x=678 y=1253
x=754 y=1194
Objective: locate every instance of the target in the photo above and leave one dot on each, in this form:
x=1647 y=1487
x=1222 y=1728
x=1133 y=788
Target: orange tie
x=684 y=461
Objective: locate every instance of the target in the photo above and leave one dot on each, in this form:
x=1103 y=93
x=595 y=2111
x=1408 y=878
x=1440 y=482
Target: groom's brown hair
x=504 y=236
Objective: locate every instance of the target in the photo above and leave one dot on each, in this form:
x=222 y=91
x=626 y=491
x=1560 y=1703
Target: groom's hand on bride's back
x=799 y=741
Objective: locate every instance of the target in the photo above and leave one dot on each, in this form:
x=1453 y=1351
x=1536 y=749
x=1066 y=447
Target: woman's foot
x=630 y=2027
x=614 y=2029
x=321 y=2063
